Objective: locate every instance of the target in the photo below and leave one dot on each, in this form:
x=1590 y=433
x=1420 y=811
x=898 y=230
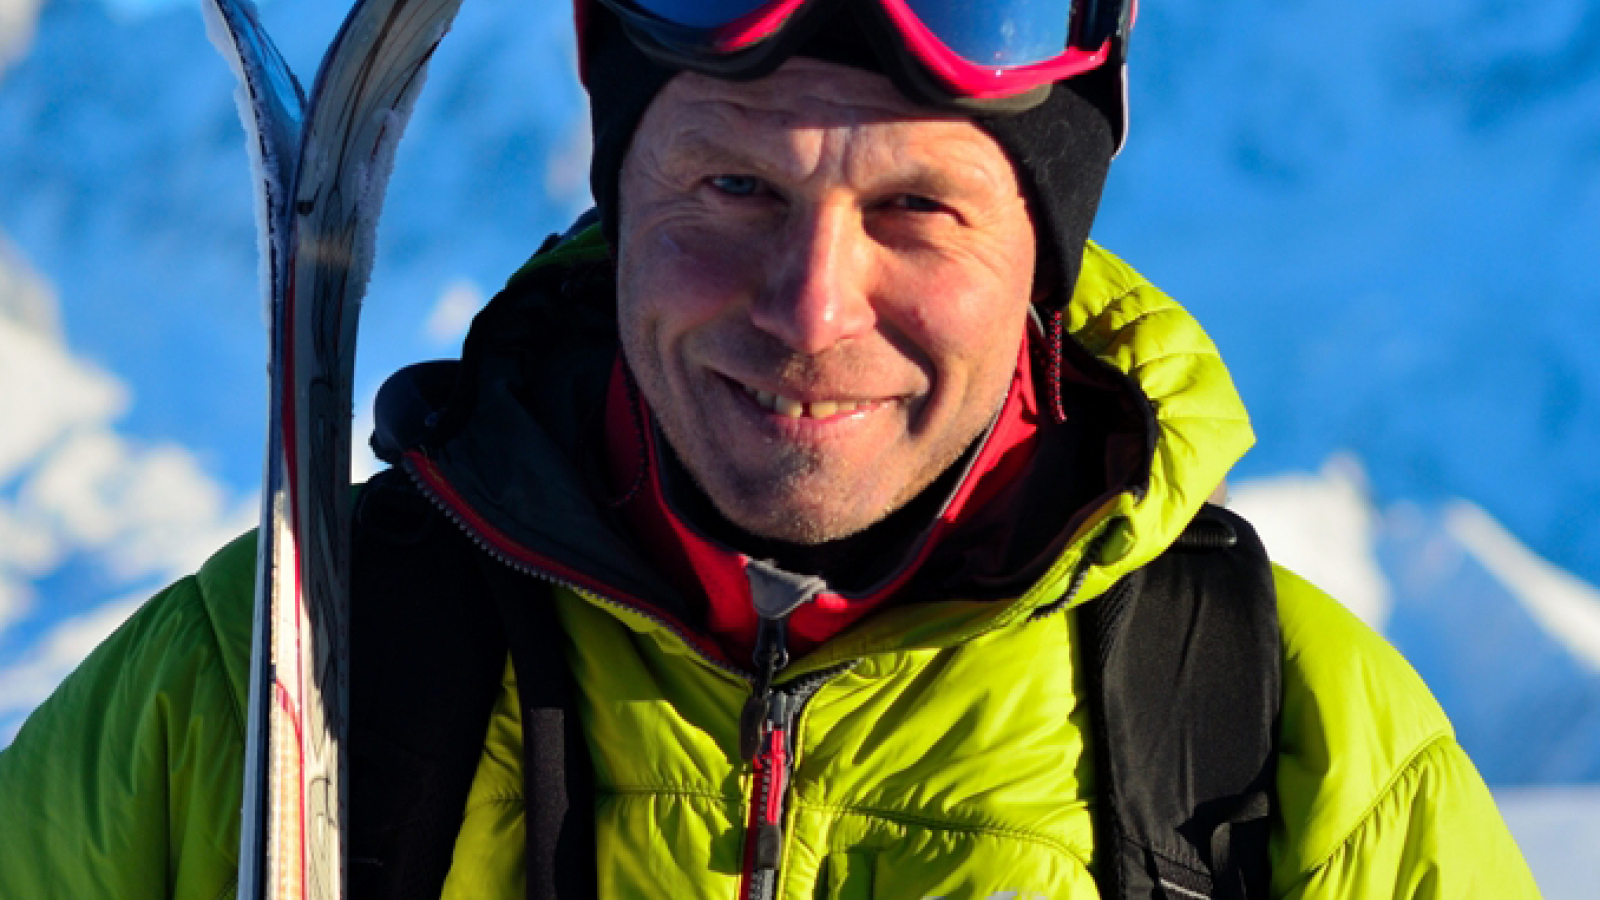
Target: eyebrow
x=702 y=149
x=696 y=145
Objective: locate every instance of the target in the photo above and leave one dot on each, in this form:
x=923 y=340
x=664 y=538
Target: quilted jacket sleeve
x=1377 y=799
x=126 y=783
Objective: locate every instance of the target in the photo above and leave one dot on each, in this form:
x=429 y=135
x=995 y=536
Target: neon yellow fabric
x=895 y=776
x=949 y=762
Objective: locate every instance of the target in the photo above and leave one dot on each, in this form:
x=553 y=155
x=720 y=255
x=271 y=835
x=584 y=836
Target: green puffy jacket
x=949 y=760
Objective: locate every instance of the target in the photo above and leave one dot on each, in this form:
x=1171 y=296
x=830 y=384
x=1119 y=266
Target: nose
x=818 y=294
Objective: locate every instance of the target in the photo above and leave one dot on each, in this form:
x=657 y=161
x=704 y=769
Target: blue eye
x=736 y=185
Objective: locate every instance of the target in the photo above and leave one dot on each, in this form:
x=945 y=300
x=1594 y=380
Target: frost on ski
x=271 y=106
x=362 y=160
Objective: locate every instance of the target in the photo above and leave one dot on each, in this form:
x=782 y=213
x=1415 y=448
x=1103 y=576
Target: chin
x=793 y=526
x=797 y=516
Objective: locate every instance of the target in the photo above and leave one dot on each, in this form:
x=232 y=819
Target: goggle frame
x=756 y=43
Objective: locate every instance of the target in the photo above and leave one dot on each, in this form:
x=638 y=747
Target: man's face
x=822 y=289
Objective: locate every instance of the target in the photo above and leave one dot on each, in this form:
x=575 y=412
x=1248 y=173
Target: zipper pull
x=772 y=654
x=775 y=593
x=772 y=768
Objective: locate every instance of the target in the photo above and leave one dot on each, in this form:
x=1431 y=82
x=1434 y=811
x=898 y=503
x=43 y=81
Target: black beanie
x=1061 y=148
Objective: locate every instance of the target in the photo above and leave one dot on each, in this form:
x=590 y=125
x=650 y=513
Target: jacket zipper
x=764 y=835
x=766 y=739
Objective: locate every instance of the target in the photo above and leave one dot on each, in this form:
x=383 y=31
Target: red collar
x=715 y=574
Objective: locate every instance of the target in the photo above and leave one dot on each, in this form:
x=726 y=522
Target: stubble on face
x=815 y=236
x=796 y=495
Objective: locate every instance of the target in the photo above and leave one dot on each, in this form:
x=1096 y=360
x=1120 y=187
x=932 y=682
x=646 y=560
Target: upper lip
x=805 y=395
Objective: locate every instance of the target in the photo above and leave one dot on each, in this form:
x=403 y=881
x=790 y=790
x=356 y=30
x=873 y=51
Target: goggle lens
x=998 y=33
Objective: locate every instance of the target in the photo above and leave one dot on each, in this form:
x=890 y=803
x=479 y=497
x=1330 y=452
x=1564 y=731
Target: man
x=803 y=499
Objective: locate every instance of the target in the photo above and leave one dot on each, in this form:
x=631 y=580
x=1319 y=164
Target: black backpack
x=1183 y=663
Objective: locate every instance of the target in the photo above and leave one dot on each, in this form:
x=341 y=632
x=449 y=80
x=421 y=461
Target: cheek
x=681 y=275
x=969 y=327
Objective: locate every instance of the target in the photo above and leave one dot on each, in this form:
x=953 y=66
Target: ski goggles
x=976 y=50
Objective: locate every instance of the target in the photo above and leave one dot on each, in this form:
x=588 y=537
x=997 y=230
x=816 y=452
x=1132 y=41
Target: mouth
x=790 y=408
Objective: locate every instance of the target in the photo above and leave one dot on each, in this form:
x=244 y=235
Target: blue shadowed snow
x=1389 y=225
x=1525 y=710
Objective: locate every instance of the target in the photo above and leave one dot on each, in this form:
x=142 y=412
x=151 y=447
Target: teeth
x=794 y=409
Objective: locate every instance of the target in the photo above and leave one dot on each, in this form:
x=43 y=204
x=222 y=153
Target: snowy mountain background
x=1389 y=223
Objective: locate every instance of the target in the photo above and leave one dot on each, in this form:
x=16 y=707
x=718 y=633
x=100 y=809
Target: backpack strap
x=432 y=618
x=426 y=658
x=1183 y=665
x=557 y=773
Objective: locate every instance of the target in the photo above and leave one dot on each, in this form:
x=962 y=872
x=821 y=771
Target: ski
x=321 y=168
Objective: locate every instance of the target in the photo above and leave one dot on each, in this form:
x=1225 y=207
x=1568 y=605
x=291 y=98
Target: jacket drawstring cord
x=1058 y=410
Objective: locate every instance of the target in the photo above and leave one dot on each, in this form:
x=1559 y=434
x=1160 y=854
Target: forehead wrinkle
x=779 y=141
x=814 y=92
